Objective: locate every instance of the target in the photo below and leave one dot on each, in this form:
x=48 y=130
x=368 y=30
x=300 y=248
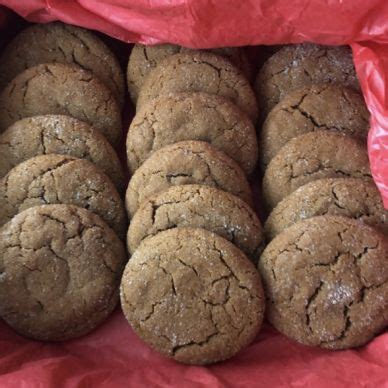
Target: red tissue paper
x=112 y=356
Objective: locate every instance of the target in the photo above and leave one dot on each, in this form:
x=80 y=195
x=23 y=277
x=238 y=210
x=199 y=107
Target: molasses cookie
x=324 y=106
x=297 y=66
x=326 y=282
x=315 y=155
x=200 y=72
x=192 y=296
x=60 y=272
x=198 y=207
x=61 y=179
x=145 y=58
x=192 y=116
x=62 y=43
x=183 y=163
x=350 y=197
x=58 y=134
x=61 y=89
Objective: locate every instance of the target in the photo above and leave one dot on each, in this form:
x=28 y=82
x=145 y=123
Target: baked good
x=192 y=295
x=192 y=116
x=61 y=89
x=61 y=179
x=315 y=155
x=58 y=134
x=316 y=107
x=186 y=162
x=300 y=65
x=198 y=206
x=350 y=197
x=199 y=72
x=145 y=58
x=63 y=43
x=60 y=272
x=326 y=282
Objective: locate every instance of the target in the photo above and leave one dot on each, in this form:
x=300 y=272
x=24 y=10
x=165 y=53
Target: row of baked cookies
x=325 y=271
x=190 y=289
x=61 y=214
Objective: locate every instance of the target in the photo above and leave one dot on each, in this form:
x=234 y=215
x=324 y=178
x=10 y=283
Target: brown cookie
x=349 y=197
x=61 y=179
x=326 y=282
x=192 y=295
x=200 y=72
x=60 y=272
x=58 y=134
x=317 y=107
x=145 y=58
x=61 y=89
x=183 y=163
x=297 y=66
x=315 y=155
x=62 y=43
x=198 y=206
x=192 y=116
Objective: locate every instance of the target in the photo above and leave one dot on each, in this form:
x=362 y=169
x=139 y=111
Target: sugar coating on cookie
x=192 y=295
x=315 y=155
x=57 y=88
x=186 y=162
x=349 y=197
x=192 y=116
x=60 y=272
x=58 y=134
x=61 y=179
x=326 y=282
x=200 y=72
x=317 y=107
x=300 y=65
x=145 y=58
x=61 y=43
x=200 y=207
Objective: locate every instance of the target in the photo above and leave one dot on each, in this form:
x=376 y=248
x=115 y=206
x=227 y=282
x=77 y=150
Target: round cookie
x=58 y=134
x=61 y=179
x=301 y=65
x=326 y=282
x=324 y=106
x=60 y=272
x=61 y=89
x=198 y=207
x=62 y=43
x=315 y=155
x=192 y=116
x=186 y=162
x=145 y=58
x=349 y=197
x=192 y=295
x=200 y=72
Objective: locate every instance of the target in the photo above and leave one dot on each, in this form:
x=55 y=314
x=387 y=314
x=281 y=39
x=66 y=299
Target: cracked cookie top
x=296 y=66
x=192 y=116
x=61 y=179
x=145 y=58
x=350 y=197
x=186 y=162
x=60 y=269
x=324 y=106
x=200 y=207
x=192 y=295
x=58 y=134
x=312 y=156
x=62 y=43
x=200 y=72
x=326 y=282
x=57 y=88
